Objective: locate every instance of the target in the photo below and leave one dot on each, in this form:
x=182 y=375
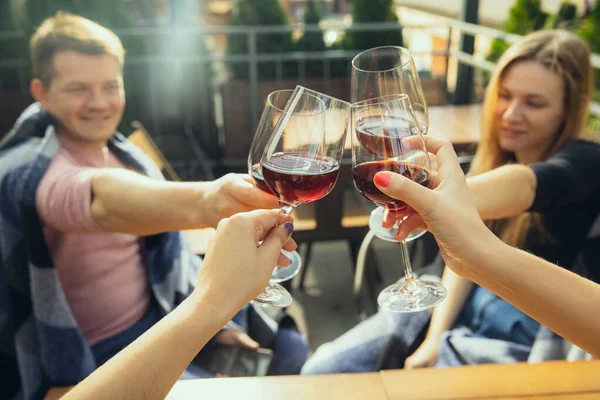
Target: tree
x=524 y=17
x=565 y=17
x=312 y=41
x=590 y=32
x=590 y=29
x=263 y=12
x=372 y=11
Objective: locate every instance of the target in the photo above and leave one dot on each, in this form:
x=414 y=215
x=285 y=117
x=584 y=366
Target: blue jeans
x=371 y=345
x=386 y=339
x=290 y=348
x=106 y=349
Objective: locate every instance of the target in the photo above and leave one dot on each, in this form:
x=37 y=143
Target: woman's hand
x=447 y=211
x=425 y=356
x=236 y=269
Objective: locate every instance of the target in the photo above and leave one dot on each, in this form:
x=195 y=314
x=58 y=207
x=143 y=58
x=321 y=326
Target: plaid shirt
x=41 y=344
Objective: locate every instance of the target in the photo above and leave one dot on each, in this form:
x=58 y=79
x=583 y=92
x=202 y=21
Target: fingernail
x=382 y=179
x=289 y=227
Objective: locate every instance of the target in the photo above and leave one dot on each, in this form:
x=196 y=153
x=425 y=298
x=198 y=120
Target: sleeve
x=570 y=176
x=64 y=198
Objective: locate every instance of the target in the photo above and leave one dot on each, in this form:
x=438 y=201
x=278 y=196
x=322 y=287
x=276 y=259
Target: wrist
x=432 y=339
x=480 y=259
x=201 y=204
x=220 y=307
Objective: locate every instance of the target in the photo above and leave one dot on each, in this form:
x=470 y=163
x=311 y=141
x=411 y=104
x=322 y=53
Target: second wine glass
x=301 y=159
x=271 y=114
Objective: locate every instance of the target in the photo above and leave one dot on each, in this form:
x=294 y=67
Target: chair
x=142 y=139
x=197 y=238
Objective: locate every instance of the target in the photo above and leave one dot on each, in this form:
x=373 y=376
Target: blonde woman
x=535 y=181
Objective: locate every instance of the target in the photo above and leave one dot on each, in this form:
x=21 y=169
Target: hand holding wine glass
x=386 y=137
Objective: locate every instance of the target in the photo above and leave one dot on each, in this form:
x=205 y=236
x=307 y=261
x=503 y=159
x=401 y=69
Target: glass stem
x=265 y=293
x=286 y=208
x=408 y=275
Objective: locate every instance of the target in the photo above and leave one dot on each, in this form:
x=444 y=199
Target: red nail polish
x=382 y=180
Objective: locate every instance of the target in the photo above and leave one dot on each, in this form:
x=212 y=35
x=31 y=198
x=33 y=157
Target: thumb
x=399 y=187
x=277 y=238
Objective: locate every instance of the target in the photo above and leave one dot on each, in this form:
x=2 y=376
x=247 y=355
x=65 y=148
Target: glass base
x=388 y=234
x=274 y=295
x=411 y=296
x=287 y=273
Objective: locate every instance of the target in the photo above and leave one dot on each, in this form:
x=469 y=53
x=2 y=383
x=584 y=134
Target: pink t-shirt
x=102 y=273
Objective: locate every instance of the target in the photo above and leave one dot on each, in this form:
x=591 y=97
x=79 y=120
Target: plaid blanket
x=41 y=344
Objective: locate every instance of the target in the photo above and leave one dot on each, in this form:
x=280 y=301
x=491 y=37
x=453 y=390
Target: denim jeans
x=290 y=348
x=386 y=339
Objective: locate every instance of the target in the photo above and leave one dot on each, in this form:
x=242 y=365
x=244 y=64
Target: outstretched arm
x=560 y=300
x=503 y=192
x=150 y=366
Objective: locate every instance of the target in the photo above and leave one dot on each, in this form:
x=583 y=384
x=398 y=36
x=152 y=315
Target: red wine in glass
x=257 y=177
x=382 y=138
x=365 y=172
x=296 y=178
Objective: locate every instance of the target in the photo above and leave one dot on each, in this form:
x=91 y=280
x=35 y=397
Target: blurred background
x=199 y=70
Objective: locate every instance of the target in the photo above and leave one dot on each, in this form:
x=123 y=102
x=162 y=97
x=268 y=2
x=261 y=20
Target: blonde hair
x=66 y=31
x=568 y=56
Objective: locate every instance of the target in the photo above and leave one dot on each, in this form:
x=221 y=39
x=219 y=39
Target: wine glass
x=384 y=71
x=264 y=131
x=301 y=159
x=387 y=137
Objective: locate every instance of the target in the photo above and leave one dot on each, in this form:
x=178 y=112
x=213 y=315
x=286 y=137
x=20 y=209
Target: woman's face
x=530 y=110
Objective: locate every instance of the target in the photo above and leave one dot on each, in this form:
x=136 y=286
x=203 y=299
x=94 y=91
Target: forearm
x=503 y=192
x=446 y=313
x=150 y=366
x=127 y=202
x=563 y=302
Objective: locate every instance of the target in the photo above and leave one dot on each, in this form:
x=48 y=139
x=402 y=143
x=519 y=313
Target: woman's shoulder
x=584 y=149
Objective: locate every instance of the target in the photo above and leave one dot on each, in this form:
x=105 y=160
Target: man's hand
x=232 y=194
x=233 y=337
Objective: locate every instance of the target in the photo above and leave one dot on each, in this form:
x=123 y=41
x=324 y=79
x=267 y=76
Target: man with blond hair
x=91 y=251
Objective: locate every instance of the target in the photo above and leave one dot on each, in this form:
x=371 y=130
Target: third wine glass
x=386 y=137
x=384 y=71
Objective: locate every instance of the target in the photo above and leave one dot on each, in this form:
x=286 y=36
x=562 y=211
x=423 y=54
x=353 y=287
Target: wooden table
x=325 y=387
x=547 y=381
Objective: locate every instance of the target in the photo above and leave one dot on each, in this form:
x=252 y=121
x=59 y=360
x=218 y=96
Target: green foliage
x=524 y=17
x=263 y=12
x=590 y=32
x=590 y=29
x=370 y=11
x=565 y=18
x=312 y=41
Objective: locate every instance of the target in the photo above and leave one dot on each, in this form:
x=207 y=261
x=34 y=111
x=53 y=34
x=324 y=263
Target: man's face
x=86 y=95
